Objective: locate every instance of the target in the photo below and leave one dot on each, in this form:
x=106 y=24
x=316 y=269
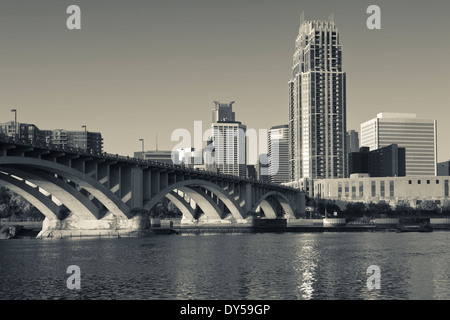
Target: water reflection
x=250 y=266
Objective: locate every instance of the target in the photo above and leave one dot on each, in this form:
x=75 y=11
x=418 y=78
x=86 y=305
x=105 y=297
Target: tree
x=404 y=209
x=327 y=206
x=379 y=208
x=355 y=209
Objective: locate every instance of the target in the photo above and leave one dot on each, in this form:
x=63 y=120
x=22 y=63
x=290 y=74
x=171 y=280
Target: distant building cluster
x=393 y=157
x=30 y=133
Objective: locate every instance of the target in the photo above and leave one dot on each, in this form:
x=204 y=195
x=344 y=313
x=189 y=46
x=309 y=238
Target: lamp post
x=85 y=137
x=15 y=123
x=143 y=156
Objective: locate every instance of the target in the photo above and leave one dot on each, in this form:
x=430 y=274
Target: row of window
x=383 y=191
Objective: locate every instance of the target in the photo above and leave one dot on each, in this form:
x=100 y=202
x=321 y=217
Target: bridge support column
x=300 y=204
x=109 y=226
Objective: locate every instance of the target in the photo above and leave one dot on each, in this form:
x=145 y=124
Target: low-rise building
x=362 y=188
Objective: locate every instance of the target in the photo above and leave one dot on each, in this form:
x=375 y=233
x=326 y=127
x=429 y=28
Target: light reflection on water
x=249 y=266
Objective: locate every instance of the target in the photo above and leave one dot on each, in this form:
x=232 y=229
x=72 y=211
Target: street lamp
x=15 y=123
x=85 y=136
x=142 y=140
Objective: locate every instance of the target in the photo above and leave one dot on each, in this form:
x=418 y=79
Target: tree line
x=359 y=209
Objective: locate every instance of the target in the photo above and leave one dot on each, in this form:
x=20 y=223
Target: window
x=373 y=189
x=382 y=188
x=418 y=181
x=346 y=189
x=391 y=189
x=428 y=181
x=446 y=188
x=409 y=181
x=361 y=189
x=437 y=181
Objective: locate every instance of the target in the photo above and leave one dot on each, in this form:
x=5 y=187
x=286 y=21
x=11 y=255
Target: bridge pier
x=109 y=225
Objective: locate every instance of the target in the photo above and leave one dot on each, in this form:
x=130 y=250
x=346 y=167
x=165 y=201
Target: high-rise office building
x=352 y=141
x=317 y=104
x=229 y=141
x=278 y=141
x=351 y=145
x=417 y=136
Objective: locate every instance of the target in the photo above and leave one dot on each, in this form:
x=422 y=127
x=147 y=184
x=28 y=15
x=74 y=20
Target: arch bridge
x=82 y=192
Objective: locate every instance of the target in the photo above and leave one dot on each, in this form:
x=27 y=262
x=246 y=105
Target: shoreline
x=25 y=232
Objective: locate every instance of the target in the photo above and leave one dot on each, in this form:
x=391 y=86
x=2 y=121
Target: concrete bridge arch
x=32 y=194
x=99 y=191
x=191 y=188
x=288 y=207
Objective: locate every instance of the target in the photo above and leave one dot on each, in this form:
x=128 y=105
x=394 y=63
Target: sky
x=141 y=69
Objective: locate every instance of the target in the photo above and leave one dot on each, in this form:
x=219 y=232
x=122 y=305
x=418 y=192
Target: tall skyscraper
x=317 y=104
x=279 y=154
x=417 y=136
x=351 y=145
x=229 y=141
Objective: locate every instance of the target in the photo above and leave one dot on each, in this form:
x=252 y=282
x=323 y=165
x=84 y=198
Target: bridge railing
x=137 y=161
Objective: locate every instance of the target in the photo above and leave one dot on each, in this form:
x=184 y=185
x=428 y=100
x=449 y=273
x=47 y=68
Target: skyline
x=139 y=64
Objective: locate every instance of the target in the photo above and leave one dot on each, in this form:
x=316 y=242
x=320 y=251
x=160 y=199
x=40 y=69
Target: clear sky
x=141 y=68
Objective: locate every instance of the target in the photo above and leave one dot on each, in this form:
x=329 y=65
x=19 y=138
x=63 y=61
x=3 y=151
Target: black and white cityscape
x=224 y=151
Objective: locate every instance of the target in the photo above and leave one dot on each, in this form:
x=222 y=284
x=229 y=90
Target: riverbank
x=29 y=230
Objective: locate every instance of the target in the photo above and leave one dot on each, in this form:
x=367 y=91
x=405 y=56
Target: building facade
x=262 y=167
x=384 y=162
x=229 y=141
x=278 y=146
x=443 y=168
x=417 y=136
x=317 y=104
x=352 y=141
x=59 y=138
x=85 y=140
x=164 y=156
x=24 y=132
x=361 y=188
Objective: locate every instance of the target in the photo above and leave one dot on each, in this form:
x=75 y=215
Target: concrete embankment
x=171 y=227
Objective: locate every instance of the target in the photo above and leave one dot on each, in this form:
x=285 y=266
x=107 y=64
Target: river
x=272 y=266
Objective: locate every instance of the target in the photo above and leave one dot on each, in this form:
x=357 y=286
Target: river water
x=284 y=266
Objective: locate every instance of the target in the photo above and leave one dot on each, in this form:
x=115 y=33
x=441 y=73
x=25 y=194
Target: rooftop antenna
x=302 y=18
x=331 y=18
